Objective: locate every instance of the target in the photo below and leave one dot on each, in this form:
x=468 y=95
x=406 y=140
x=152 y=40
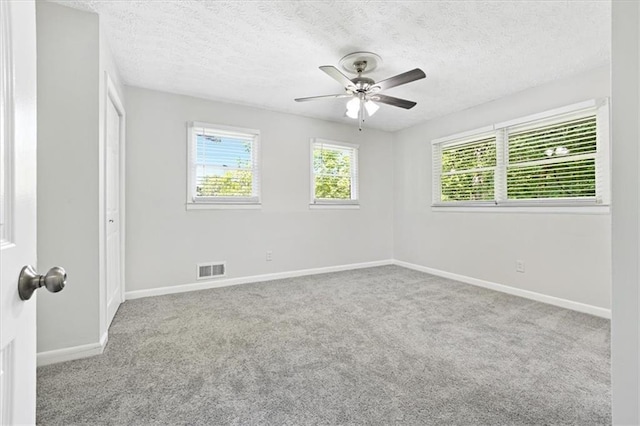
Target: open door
x=18 y=210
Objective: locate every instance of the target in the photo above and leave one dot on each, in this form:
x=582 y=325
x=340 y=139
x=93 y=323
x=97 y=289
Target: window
x=334 y=170
x=558 y=157
x=223 y=165
x=468 y=170
x=553 y=161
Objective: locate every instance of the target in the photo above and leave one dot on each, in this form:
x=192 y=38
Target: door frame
x=111 y=95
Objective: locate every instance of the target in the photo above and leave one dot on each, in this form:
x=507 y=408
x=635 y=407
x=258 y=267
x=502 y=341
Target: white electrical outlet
x=519 y=266
x=269 y=256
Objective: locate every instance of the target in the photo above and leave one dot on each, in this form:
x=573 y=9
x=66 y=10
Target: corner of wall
x=68 y=86
x=428 y=238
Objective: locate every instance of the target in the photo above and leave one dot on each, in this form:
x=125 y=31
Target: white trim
x=225 y=200
x=335 y=206
x=538 y=297
x=465 y=136
x=222 y=206
x=72 y=353
x=335 y=144
x=84 y=351
x=159 y=291
x=7 y=210
x=230 y=130
x=603 y=142
x=553 y=113
x=535 y=209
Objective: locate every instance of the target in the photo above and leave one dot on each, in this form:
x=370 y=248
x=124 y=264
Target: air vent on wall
x=210 y=270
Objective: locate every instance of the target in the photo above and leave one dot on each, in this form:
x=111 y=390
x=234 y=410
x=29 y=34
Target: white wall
x=566 y=255
x=68 y=83
x=164 y=241
x=70 y=89
x=625 y=325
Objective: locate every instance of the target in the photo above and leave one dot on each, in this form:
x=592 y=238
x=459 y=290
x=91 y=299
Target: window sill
x=592 y=209
x=222 y=206
x=320 y=206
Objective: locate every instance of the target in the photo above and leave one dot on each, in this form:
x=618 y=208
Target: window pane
x=472 y=186
x=331 y=161
x=558 y=180
x=333 y=187
x=226 y=183
x=560 y=173
x=223 y=151
x=224 y=165
x=461 y=180
x=333 y=169
x=559 y=140
x=473 y=155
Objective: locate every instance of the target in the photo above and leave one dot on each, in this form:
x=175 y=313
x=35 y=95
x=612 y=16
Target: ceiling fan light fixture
x=363 y=91
x=371 y=107
x=352 y=113
x=354 y=104
x=353 y=108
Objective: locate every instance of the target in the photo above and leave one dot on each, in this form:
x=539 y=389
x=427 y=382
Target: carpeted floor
x=375 y=346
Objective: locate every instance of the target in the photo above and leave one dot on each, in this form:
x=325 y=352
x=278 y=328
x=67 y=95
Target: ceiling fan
x=363 y=91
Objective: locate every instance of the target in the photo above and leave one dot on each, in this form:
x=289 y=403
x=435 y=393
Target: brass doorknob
x=29 y=281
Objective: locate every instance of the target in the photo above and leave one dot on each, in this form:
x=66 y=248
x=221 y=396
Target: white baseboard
x=251 y=279
x=539 y=297
x=84 y=351
x=72 y=353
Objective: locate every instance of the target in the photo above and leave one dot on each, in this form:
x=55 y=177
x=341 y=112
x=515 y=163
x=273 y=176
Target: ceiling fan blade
x=315 y=98
x=390 y=100
x=335 y=73
x=404 y=78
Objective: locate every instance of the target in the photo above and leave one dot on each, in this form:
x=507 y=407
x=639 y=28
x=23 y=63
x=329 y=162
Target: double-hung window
x=559 y=157
x=223 y=165
x=334 y=173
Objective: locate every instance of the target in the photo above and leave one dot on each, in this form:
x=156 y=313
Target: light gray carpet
x=383 y=345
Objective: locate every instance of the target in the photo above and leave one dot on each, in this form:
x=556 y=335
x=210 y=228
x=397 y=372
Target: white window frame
x=196 y=203
x=354 y=202
x=598 y=204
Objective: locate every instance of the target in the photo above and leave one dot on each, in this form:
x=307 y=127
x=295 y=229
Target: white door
x=18 y=207
x=114 y=126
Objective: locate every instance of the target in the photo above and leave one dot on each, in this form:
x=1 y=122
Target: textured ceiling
x=266 y=53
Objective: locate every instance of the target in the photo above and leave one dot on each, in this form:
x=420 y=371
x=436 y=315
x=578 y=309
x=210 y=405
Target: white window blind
x=560 y=156
x=334 y=170
x=468 y=170
x=553 y=161
x=223 y=165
